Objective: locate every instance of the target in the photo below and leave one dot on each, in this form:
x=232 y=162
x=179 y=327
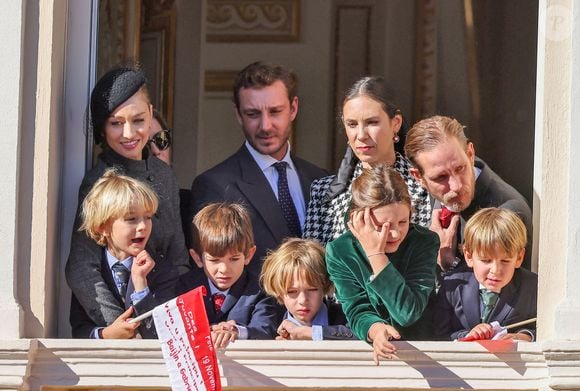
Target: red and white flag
x=185 y=337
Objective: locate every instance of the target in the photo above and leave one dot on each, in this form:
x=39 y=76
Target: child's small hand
x=120 y=329
x=381 y=334
x=230 y=325
x=481 y=331
x=517 y=336
x=142 y=266
x=289 y=330
x=372 y=237
x=222 y=338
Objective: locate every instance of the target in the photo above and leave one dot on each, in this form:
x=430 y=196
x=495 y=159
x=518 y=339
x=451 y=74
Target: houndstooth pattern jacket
x=326 y=219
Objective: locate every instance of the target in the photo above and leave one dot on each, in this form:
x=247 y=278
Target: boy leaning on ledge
x=223 y=246
x=496 y=289
x=295 y=274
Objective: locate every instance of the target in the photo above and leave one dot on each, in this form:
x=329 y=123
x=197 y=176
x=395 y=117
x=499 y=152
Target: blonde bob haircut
x=302 y=257
x=220 y=228
x=379 y=186
x=492 y=229
x=113 y=196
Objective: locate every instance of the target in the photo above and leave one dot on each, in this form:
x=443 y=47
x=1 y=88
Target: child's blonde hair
x=113 y=196
x=222 y=227
x=304 y=257
x=493 y=229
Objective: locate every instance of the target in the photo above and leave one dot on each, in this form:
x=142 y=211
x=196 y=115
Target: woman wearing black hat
x=120 y=116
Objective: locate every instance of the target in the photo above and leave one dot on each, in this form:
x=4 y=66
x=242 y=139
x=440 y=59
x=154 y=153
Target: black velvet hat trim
x=114 y=88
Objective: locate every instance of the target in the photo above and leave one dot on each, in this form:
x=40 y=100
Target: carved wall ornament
x=252 y=20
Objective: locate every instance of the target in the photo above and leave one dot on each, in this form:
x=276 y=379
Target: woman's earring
x=396 y=138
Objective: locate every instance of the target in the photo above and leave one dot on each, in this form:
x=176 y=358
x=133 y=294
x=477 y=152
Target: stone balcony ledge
x=251 y=365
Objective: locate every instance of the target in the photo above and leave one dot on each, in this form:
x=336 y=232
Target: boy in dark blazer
x=223 y=246
x=496 y=289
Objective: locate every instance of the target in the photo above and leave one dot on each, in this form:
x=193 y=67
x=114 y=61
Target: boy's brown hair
x=379 y=186
x=112 y=197
x=302 y=256
x=262 y=74
x=222 y=227
x=492 y=229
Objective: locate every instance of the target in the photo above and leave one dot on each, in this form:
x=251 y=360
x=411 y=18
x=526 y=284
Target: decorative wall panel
x=252 y=20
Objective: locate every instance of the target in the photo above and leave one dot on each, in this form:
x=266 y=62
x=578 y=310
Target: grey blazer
x=166 y=244
x=161 y=283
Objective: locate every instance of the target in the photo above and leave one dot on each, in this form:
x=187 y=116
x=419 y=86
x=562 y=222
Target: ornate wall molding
x=252 y=20
x=426 y=59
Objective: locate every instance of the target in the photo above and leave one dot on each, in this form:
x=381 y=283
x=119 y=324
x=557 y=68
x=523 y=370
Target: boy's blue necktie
x=122 y=277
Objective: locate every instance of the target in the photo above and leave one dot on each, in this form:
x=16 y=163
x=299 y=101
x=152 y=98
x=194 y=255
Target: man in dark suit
x=445 y=164
x=263 y=175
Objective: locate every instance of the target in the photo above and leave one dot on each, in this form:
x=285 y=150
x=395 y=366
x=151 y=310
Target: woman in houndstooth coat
x=375 y=131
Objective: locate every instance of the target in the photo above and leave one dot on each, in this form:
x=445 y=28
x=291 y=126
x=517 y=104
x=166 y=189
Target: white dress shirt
x=265 y=162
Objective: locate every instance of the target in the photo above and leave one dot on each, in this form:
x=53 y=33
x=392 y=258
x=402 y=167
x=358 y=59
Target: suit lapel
x=506 y=303
x=108 y=277
x=208 y=302
x=130 y=290
x=234 y=293
x=258 y=192
x=470 y=302
x=305 y=181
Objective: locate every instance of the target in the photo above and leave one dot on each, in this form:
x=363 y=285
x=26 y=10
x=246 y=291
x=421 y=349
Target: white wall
x=11 y=56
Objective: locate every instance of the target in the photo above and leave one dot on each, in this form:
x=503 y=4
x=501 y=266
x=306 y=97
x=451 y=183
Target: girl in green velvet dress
x=383 y=268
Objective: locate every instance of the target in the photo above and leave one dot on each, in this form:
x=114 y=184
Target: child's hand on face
x=289 y=330
x=372 y=237
x=481 y=331
x=120 y=329
x=381 y=334
x=142 y=266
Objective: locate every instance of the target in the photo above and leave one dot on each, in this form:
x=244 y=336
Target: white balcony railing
x=249 y=365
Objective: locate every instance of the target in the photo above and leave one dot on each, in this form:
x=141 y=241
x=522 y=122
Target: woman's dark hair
x=159 y=117
x=114 y=88
x=379 y=186
x=375 y=87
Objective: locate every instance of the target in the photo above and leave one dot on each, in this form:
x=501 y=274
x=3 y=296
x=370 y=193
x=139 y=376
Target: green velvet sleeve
x=398 y=295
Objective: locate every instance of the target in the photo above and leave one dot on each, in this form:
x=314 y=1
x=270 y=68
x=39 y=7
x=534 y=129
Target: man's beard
x=459 y=206
x=452 y=206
